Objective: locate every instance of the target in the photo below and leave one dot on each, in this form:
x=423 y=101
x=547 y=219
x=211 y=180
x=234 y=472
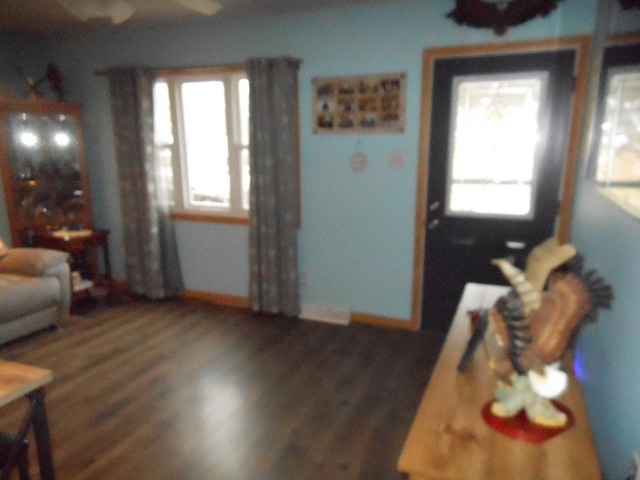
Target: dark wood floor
x=185 y=390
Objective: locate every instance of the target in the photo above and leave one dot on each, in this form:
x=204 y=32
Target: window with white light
x=493 y=144
x=619 y=149
x=201 y=125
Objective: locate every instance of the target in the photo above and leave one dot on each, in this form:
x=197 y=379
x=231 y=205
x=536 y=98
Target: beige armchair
x=35 y=290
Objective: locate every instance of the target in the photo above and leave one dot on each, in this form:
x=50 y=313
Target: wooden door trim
x=581 y=44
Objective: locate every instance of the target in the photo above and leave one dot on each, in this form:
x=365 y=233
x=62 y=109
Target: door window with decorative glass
x=494 y=142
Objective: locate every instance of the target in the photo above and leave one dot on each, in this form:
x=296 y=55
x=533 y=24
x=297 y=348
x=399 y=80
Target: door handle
x=433 y=224
x=434 y=206
x=514 y=245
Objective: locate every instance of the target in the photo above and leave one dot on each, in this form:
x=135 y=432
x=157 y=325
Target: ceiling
x=42 y=17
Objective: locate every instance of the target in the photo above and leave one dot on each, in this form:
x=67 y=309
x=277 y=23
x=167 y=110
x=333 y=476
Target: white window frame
x=182 y=207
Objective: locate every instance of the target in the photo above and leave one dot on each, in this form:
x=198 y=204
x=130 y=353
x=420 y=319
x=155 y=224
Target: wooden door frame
x=581 y=44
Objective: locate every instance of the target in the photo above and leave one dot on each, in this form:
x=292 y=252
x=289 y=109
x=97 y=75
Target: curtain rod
x=165 y=70
x=168 y=70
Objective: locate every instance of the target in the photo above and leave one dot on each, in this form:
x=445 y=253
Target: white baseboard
x=325 y=313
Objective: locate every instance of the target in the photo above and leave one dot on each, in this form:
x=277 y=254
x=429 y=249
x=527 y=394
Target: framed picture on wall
x=363 y=103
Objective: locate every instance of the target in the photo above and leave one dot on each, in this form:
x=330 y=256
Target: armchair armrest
x=34 y=262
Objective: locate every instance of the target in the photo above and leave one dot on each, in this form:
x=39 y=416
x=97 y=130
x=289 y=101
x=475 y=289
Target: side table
x=83 y=246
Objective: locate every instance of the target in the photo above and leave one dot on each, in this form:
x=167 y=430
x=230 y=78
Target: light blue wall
x=214 y=259
x=609 y=351
x=356 y=241
x=19 y=52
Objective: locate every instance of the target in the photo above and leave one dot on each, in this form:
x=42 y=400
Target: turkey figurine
x=530 y=329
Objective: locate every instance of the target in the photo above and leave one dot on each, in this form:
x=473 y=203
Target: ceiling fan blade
x=117 y=10
x=206 y=7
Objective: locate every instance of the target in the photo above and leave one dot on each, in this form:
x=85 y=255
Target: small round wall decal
x=358 y=162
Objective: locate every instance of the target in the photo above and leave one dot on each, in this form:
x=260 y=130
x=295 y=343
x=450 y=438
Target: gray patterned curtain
x=151 y=258
x=273 y=221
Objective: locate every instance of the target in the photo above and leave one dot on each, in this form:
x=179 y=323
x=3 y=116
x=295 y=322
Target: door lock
x=433 y=224
x=434 y=206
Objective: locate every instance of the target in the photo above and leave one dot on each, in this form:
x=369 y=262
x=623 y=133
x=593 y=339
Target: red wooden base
x=521 y=428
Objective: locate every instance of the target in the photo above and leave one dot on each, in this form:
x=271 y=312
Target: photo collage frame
x=364 y=103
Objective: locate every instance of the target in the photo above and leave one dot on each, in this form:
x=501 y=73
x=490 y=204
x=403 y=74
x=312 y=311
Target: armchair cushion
x=35 y=291
x=3 y=248
x=22 y=295
x=33 y=262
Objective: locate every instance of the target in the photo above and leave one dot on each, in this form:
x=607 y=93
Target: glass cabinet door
x=43 y=168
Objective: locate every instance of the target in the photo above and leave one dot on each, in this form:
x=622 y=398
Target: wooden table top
x=450 y=440
x=17 y=380
x=71 y=240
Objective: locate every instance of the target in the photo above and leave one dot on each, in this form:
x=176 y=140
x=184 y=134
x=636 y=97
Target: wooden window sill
x=209 y=217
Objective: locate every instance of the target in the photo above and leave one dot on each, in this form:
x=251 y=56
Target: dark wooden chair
x=14 y=450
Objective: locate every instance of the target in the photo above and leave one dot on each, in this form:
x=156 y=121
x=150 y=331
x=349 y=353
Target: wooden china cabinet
x=45 y=183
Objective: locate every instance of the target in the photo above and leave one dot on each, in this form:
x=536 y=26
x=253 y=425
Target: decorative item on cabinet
x=52 y=76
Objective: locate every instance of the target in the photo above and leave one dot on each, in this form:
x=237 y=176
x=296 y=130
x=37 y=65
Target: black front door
x=498 y=141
